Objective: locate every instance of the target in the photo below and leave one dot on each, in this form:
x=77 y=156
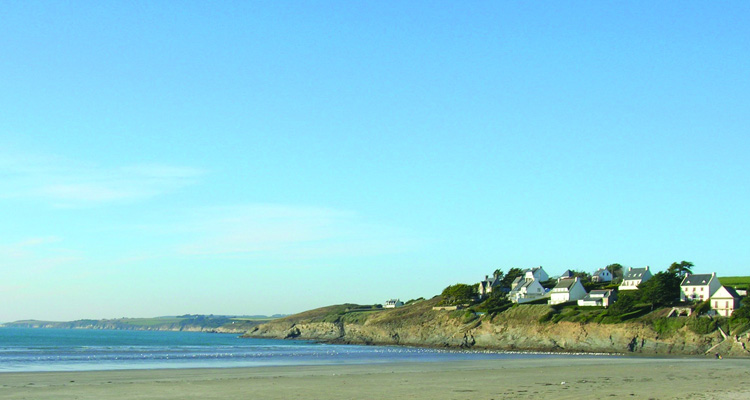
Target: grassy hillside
x=741 y=282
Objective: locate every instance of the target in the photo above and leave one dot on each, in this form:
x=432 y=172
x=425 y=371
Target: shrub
x=702 y=326
x=468 y=317
x=666 y=326
x=702 y=308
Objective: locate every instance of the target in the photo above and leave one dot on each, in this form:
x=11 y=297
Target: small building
x=393 y=303
x=634 y=277
x=599 y=298
x=601 y=275
x=699 y=287
x=489 y=284
x=570 y=289
x=725 y=301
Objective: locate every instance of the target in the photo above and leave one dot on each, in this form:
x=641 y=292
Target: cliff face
x=516 y=329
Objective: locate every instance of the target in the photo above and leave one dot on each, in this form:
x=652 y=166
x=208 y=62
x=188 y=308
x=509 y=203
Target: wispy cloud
x=283 y=232
x=35 y=255
x=68 y=183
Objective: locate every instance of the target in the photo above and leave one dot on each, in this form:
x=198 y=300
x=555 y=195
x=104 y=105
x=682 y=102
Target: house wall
x=700 y=293
x=724 y=306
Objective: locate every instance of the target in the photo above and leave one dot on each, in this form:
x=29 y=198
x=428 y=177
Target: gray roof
x=524 y=285
x=565 y=283
x=567 y=274
x=599 y=270
x=697 y=280
x=589 y=297
x=635 y=273
x=602 y=293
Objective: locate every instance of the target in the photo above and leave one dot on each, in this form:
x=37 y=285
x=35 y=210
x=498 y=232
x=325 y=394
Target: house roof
x=601 y=293
x=635 y=273
x=600 y=270
x=697 y=280
x=589 y=297
x=526 y=284
x=565 y=283
x=567 y=274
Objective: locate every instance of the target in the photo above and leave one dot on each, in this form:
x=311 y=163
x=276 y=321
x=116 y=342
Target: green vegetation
x=662 y=290
x=496 y=303
x=702 y=326
x=667 y=326
x=510 y=276
x=741 y=282
x=459 y=294
x=681 y=269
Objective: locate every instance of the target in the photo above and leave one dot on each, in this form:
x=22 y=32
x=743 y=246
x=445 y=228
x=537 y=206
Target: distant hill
x=194 y=323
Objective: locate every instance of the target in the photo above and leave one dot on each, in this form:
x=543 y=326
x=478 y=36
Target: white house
x=599 y=298
x=634 y=277
x=393 y=303
x=725 y=301
x=699 y=287
x=488 y=284
x=526 y=291
x=601 y=275
x=537 y=273
x=567 y=290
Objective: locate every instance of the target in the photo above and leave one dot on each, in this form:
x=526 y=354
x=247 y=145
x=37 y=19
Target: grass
x=742 y=281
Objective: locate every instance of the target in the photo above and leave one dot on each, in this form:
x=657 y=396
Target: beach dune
x=554 y=377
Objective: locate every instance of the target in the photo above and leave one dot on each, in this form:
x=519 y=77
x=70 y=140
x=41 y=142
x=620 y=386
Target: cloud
x=35 y=255
x=67 y=183
x=283 y=232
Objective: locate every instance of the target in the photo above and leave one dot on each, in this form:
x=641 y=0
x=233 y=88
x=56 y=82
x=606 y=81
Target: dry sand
x=583 y=377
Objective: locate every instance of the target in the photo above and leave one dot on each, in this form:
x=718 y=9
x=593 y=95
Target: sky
x=261 y=157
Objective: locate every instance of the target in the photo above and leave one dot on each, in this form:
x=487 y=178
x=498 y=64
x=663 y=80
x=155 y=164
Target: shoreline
x=567 y=378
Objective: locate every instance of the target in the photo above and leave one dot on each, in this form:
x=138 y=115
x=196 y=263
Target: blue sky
x=271 y=157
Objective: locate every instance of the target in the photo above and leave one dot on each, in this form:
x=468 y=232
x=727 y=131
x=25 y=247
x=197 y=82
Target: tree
x=661 y=290
x=615 y=269
x=459 y=293
x=681 y=269
x=625 y=303
x=744 y=311
x=495 y=303
x=498 y=273
x=512 y=274
x=582 y=275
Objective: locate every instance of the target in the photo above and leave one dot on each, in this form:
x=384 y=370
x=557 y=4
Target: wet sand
x=558 y=378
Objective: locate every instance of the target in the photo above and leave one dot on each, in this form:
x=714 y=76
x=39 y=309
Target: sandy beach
x=559 y=378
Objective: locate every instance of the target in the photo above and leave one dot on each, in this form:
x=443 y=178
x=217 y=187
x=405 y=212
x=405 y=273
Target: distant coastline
x=187 y=323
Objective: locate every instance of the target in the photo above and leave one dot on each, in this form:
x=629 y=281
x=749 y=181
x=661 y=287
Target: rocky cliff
x=519 y=328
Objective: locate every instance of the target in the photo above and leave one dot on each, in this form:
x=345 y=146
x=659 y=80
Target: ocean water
x=24 y=350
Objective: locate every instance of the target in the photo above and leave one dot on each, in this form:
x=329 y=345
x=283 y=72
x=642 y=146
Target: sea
x=30 y=350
